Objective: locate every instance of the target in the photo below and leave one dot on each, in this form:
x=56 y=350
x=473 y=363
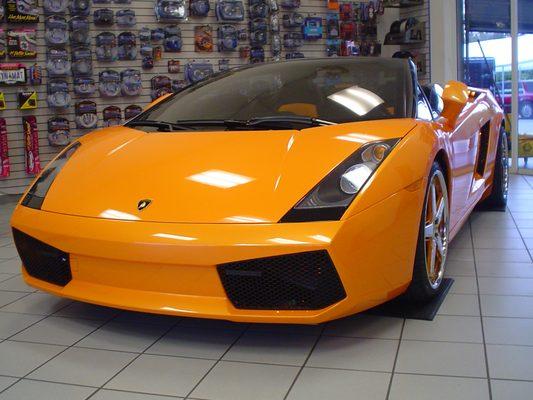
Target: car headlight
x=331 y=197
x=35 y=196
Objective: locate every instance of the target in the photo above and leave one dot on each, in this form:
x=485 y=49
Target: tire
x=432 y=245
x=497 y=200
x=526 y=110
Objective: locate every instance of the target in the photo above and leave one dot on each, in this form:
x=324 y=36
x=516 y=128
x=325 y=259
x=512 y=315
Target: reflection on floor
x=480 y=346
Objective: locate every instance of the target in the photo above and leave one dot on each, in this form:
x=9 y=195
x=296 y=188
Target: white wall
x=443 y=27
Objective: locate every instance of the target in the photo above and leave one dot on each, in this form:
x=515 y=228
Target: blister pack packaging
x=55 y=6
x=132 y=111
x=229 y=10
x=170 y=10
x=332 y=25
x=31 y=144
x=35 y=74
x=294 y=55
x=112 y=116
x=196 y=71
x=258 y=32
x=173 y=66
x=109 y=83
x=126 y=18
x=131 y=82
x=58 y=131
x=21 y=43
x=259 y=10
x=106 y=47
x=103 y=17
x=84 y=86
x=79 y=31
x=178 y=85
x=127 y=46
x=203 y=38
x=172 y=41
x=312 y=28
x=27 y=99
x=56 y=30
x=13 y=74
x=86 y=114
x=5 y=166
x=199 y=8
x=160 y=85
x=227 y=38
x=58 y=95
x=293 y=20
x=2 y=43
x=257 y=55
x=82 y=63
x=57 y=62
x=290 y=4
x=223 y=64
x=21 y=11
x=80 y=8
x=292 y=40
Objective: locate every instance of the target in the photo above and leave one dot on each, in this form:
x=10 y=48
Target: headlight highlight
x=35 y=196
x=332 y=196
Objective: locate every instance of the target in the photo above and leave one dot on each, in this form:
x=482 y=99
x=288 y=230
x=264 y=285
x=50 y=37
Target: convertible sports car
x=290 y=192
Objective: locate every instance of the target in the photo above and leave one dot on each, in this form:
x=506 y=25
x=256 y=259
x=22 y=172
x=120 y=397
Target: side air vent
x=484 y=135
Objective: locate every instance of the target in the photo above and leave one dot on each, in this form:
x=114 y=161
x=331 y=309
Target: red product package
x=4 y=150
x=31 y=145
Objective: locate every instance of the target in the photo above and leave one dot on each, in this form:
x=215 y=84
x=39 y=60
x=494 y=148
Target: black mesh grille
x=301 y=281
x=41 y=260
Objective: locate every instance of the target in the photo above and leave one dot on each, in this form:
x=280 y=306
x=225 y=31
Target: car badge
x=143 y=204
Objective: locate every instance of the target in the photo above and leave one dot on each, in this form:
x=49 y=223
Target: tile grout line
x=216 y=362
x=395 y=361
x=320 y=335
x=52 y=358
x=521 y=237
x=481 y=314
x=134 y=358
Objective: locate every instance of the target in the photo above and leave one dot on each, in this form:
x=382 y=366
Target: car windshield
x=333 y=90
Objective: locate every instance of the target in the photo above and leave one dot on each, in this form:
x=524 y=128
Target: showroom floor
x=57 y=349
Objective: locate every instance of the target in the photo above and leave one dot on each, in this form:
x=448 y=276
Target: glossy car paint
x=225 y=206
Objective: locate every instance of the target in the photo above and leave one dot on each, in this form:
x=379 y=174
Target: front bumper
x=171 y=268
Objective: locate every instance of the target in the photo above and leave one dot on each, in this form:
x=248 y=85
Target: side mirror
x=156 y=101
x=455 y=96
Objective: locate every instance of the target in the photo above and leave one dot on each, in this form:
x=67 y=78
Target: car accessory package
x=203 y=38
x=56 y=30
x=106 y=47
x=86 y=114
x=27 y=99
x=31 y=147
x=131 y=82
x=229 y=10
x=199 y=8
x=132 y=111
x=55 y=6
x=58 y=94
x=127 y=46
x=58 y=131
x=109 y=83
x=126 y=18
x=196 y=71
x=160 y=85
x=21 y=43
x=170 y=10
x=21 y=11
x=172 y=41
x=5 y=166
x=57 y=62
x=112 y=116
x=79 y=31
x=84 y=86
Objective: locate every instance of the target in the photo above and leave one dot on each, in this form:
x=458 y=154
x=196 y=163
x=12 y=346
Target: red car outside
x=525 y=98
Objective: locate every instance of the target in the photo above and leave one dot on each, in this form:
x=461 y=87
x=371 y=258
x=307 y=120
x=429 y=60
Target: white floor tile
x=438 y=388
x=510 y=362
x=445 y=328
x=28 y=389
x=515 y=390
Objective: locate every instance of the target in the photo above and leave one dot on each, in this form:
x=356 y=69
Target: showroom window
x=497 y=37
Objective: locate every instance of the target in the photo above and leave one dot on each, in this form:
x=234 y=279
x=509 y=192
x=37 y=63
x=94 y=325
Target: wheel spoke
x=440 y=211
x=433 y=195
x=440 y=246
x=432 y=258
x=429 y=230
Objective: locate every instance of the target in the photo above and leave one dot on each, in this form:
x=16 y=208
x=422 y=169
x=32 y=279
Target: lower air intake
x=301 y=281
x=42 y=261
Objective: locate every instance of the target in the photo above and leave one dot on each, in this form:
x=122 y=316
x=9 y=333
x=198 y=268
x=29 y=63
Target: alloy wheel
x=505 y=167
x=436 y=229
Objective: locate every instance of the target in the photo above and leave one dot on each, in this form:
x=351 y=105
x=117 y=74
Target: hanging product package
x=131 y=82
x=12 y=74
x=57 y=63
x=257 y=55
x=196 y=71
x=332 y=25
x=172 y=41
x=58 y=95
x=290 y=4
x=126 y=18
x=55 y=6
x=227 y=38
x=36 y=74
x=112 y=116
x=132 y=111
x=56 y=30
x=203 y=38
x=2 y=43
x=79 y=31
x=199 y=8
x=173 y=66
x=259 y=10
x=21 y=11
x=160 y=85
x=31 y=144
x=258 y=32
x=294 y=55
x=86 y=115
x=223 y=64
x=82 y=63
x=27 y=99
x=292 y=40
x=127 y=47
x=109 y=83
x=293 y=20
x=170 y=10
x=312 y=28
x=103 y=17
x=80 y=8
x=58 y=131
x=5 y=167
x=106 y=47
x=229 y=10
x=178 y=85
x=21 y=43
x=84 y=86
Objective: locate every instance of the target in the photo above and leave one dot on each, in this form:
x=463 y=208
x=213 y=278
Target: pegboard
x=144 y=10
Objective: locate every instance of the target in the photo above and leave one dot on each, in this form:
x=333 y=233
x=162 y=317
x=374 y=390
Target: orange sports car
x=290 y=192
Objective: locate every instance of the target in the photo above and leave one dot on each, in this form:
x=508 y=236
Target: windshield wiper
x=274 y=121
x=161 y=126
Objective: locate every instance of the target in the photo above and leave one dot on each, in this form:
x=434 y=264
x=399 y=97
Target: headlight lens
x=332 y=196
x=35 y=196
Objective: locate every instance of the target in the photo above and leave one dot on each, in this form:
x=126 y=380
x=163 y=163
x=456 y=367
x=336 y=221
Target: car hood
x=204 y=177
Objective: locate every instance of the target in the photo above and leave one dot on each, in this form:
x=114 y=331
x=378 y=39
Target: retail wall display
x=104 y=17
x=58 y=96
x=109 y=83
x=21 y=11
x=242 y=31
x=112 y=116
x=203 y=38
x=405 y=31
x=27 y=99
x=31 y=145
x=5 y=167
x=58 y=131
x=21 y=43
x=132 y=111
x=106 y=47
x=160 y=85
